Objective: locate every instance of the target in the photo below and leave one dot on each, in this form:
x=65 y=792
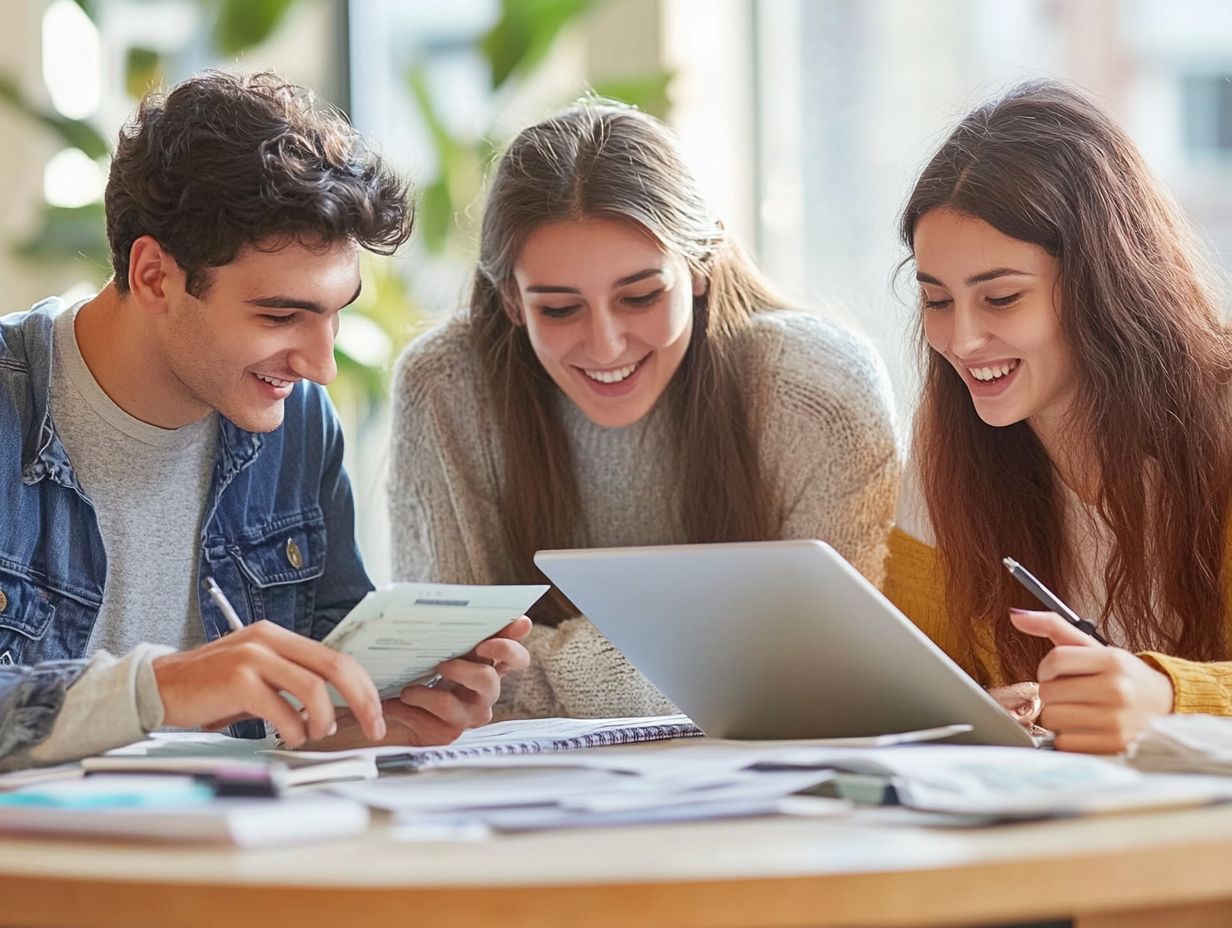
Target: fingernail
x=333 y=729
x=1016 y=611
x=380 y=729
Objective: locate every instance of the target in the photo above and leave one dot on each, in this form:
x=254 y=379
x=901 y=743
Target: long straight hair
x=1045 y=165
x=598 y=159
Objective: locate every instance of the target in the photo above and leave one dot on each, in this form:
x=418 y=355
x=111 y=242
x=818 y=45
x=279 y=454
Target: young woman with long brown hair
x=622 y=377
x=1075 y=417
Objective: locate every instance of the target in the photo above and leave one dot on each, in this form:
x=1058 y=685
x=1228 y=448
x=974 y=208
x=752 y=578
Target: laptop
x=774 y=640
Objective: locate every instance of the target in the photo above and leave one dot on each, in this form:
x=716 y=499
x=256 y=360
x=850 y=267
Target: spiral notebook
x=522 y=736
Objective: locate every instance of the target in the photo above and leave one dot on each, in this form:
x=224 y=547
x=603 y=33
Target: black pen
x=1051 y=600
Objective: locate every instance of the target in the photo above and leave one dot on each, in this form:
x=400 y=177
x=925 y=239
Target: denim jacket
x=277 y=533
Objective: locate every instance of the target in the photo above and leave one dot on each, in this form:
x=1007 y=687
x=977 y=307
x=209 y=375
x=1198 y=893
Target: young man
x=175 y=427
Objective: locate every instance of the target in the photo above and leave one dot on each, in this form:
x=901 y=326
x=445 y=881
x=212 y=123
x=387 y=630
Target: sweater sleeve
x=72 y=711
x=575 y=672
x=1197 y=686
x=829 y=438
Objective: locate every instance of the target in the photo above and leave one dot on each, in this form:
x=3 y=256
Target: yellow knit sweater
x=914 y=582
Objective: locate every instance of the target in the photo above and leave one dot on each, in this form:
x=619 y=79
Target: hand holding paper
x=408 y=631
x=423 y=716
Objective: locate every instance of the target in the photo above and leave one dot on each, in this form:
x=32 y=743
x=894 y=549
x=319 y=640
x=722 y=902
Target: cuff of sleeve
x=103 y=710
x=1196 y=686
x=150 y=710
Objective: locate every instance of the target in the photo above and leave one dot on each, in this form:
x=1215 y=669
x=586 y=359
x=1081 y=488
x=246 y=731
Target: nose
x=606 y=336
x=968 y=334
x=313 y=356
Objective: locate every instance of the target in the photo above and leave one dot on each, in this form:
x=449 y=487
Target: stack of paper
x=970 y=783
x=207 y=753
x=540 y=796
x=1185 y=744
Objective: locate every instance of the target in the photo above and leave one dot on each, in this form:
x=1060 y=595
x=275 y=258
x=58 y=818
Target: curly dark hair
x=228 y=160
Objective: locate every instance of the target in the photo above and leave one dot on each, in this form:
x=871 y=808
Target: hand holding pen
x=245 y=674
x=1097 y=698
x=1051 y=600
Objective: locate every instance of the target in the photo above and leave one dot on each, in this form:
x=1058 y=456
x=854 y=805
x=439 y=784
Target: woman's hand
x=464 y=697
x=1097 y=700
x=1021 y=700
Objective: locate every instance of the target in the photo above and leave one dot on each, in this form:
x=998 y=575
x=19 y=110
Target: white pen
x=224 y=604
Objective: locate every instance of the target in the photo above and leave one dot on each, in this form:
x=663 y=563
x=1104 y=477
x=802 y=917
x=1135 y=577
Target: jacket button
x=294 y=557
x=4 y=601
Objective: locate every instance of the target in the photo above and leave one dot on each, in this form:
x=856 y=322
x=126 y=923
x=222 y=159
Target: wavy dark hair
x=1044 y=164
x=229 y=160
x=601 y=159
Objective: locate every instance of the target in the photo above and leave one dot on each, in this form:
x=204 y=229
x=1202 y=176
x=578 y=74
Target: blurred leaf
x=70 y=233
x=73 y=132
x=524 y=33
x=442 y=139
x=459 y=170
x=648 y=92
x=435 y=213
x=370 y=381
x=87 y=7
x=143 y=71
x=386 y=300
x=242 y=24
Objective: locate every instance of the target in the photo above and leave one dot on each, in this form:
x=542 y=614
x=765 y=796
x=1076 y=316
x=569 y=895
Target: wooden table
x=1166 y=868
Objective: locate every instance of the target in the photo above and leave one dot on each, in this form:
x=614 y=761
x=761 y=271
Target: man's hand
x=243 y=674
x=1097 y=700
x=469 y=687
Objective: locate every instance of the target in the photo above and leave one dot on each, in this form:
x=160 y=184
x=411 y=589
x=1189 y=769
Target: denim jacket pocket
x=279 y=567
x=27 y=612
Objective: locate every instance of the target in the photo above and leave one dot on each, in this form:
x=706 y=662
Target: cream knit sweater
x=822 y=410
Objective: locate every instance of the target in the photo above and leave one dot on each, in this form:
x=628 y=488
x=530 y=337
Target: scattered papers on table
x=1185 y=743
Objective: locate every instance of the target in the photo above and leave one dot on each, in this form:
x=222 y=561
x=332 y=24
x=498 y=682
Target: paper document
x=208 y=753
x=1013 y=783
x=1185 y=743
x=402 y=631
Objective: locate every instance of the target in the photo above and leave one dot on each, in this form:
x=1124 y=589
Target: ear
x=152 y=275
x=701 y=283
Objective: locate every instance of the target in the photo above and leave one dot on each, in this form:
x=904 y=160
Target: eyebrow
x=623 y=282
x=982 y=277
x=292 y=302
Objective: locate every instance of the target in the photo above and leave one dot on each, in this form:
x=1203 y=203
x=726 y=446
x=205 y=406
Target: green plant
x=513 y=48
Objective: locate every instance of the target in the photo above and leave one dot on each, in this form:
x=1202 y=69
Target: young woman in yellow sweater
x=1075 y=416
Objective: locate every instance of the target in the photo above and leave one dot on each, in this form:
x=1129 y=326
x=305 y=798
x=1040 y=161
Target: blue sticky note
x=106 y=791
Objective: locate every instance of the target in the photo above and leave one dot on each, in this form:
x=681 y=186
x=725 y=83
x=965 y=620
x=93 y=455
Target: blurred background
x=805 y=121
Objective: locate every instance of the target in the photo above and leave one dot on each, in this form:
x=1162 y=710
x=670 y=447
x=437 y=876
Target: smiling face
x=991 y=308
x=608 y=312
x=266 y=321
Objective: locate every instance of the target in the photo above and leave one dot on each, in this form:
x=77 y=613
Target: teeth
x=275 y=381
x=615 y=376
x=992 y=373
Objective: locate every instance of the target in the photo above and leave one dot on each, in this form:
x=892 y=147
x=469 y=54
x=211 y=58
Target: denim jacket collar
x=42 y=452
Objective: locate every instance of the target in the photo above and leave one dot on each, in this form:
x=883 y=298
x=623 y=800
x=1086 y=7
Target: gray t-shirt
x=149 y=487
